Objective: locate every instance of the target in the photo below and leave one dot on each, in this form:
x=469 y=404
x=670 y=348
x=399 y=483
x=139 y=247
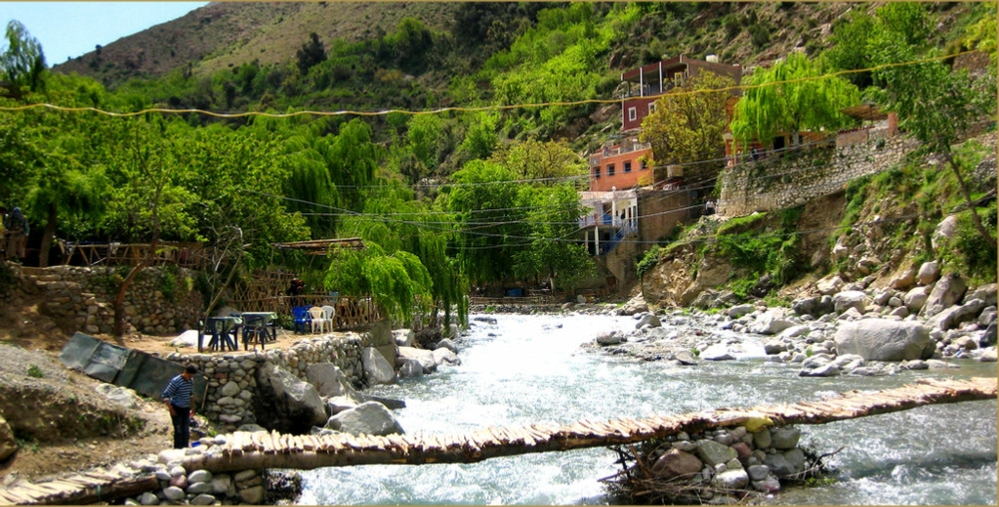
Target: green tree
x=541 y=160
x=22 y=61
x=310 y=54
x=792 y=96
x=935 y=105
x=552 y=222
x=688 y=123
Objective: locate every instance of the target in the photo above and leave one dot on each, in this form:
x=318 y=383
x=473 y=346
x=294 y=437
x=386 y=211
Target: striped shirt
x=178 y=391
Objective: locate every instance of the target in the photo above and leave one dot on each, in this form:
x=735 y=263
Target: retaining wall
x=232 y=377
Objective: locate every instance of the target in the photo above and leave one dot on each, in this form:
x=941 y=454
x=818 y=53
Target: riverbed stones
x=199 y=476
x=770 y=322
x=731 y=479
x=953 y=316
x=411 y=368
x=174 y=494
x=253 y=495
x=884 y=340
x=609 y=338
x=445 y=356
x=845 y=300
x=713 y=453
x=647 y=320
x=677 y=463
x=716 y=352
x=784 y=437
x=738 y=311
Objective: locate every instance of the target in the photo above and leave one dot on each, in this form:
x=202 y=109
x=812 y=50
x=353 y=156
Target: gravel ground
x=18 y=361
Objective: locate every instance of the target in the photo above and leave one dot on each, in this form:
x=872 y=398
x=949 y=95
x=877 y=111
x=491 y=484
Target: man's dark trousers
x=181 y=426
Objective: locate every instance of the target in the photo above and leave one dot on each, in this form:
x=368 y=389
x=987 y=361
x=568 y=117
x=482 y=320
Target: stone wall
x=161 y=299
x=778 y=183
x=232 y=378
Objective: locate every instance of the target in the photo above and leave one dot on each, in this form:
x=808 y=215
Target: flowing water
x=530 y=369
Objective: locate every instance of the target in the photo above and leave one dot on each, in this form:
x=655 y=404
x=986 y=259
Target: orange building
x=621 y=166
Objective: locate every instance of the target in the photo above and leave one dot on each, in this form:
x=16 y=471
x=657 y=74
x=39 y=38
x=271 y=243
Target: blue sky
x=70 y=29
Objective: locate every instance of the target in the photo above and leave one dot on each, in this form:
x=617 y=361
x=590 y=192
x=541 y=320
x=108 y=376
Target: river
x=529 y=369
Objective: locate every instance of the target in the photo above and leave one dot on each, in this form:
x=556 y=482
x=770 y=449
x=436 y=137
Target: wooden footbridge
x=261 y=450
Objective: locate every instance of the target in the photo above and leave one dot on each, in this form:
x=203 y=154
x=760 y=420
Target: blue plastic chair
x=302 y=319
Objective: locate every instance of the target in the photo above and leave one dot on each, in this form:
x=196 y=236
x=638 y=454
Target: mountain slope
x=227 y=34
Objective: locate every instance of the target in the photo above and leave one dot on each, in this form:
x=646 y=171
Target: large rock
x=609 y=338
x=370 y=418
x=928 y=273
x=716 y=352
x=424 y=357
x=915 y=299
x=634 y=305
x=847 y=299
x=8 y=445
x=286 y=403
x=986 y=293
x=329 y=380
x=955 y=315
x=904 y=280
x=252 y=496
x=884 y=340
x=376 y=368
x=447 y=343
x=830 y=285
x=785 y=437
x=713 y=453
x=945 y=232
x=445 y=356
x=404 y=337
x=814 y=306
x=676 y=463
x=947 y=292
x=739 y=310
x=770 y=322
x=411 y=368
x=648 y=319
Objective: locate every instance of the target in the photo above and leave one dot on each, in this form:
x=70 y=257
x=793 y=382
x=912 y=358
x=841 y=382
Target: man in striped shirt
x=177 y=396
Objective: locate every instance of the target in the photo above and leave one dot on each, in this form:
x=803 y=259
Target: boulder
x=884 y=340
x=199 y=476
x=676 y=463
x=989 y=336
x=845 y=300
x=770 y=322
x=915 y=299
x=928 y=273
x=986 y=293
x=252 y=496
x=904 y=280
x=648 y=319
x=447 y=343
x=758 y=472
x=411 y=368
x=424 y=357
x=830 y=285
x=946 y=292
x=955 y=315
x=329 y=380
x=445 y=356
x=173 y=493
x=774 y=347
x=814 y=306
x=337 y=404
x=369 y=418
x=376 y=368
x=609 y=338
x=945 y=232
x=403 y=337
x=785 y=437
x=634 y=305
x=287 y=404
x=685 y=358
x=713 y=453
x=118 y=395
x=716 y=352
x=8 y=445
x=738 y=311
x=731 y=479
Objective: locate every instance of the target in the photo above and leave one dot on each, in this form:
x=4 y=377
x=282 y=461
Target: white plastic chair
x=316 y=314
x=329 y=313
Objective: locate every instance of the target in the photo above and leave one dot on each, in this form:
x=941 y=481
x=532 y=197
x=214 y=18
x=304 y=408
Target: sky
x=71 y=29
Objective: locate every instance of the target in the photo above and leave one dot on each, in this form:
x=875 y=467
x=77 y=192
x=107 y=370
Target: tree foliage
x=791 y=96
x=22 y=61
x=688 y=122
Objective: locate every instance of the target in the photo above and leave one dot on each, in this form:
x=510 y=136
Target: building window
x=596 y=172
x=610 y=169
x=627 y=166
x=632 y=114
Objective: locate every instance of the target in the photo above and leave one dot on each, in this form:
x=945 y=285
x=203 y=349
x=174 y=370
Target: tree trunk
x=50 y=228
x=975 y=219
x=119 y=301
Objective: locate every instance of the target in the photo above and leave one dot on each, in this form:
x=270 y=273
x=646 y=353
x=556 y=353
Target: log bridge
x=261 y=450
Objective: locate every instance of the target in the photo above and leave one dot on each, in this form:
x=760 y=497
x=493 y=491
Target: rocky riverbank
x=844 y=329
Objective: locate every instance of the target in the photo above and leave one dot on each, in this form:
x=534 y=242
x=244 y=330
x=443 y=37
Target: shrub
x=35 y=372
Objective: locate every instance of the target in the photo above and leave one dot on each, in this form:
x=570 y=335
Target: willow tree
x=22 y=61
x=397 y=282
x=793 y=95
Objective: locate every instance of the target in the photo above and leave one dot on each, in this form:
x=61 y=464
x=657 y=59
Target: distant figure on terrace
x=295 y=291
x=16 y=230
x=709 y=207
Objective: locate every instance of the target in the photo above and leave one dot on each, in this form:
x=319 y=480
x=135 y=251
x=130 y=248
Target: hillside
x=222 y=35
